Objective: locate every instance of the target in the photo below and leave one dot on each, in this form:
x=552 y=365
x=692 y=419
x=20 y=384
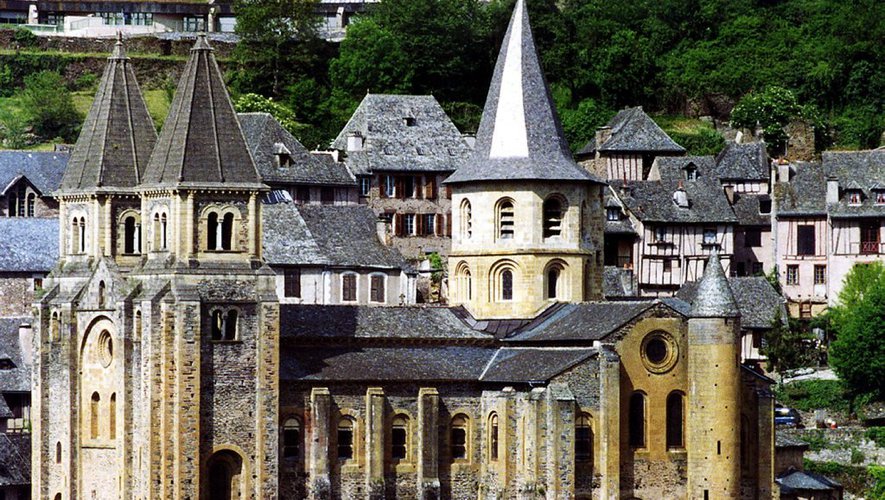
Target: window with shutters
x=348 y=287
x=377 y=288
x=389 y=186
x=430 y=188
x=805 y=240
x=292 y=282
x=365 y=185
x=408 y=224
x=429 y=228
x=583 y=438
x=506 y=220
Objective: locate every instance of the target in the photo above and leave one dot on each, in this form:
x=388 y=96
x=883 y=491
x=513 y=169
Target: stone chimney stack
x=603 y=134
x=382 y=227
x=783 y=171
x=355 y=142
x=832 y=190
x=26 y=342
x=680 y=197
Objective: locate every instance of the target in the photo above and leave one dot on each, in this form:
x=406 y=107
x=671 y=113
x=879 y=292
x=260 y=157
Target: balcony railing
x=869 y=247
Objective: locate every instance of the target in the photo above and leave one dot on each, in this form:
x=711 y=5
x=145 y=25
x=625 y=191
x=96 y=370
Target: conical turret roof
x=118 y=135
x=201 y=143
x=520 y=136
x=714 y=298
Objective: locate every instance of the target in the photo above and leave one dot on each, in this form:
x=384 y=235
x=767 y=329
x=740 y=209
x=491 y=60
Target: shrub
x=24 y=38
x=877 y=435
x=877 y=491
x=254 y=103
x=86 y=81
x=853 y=478
x=50 y=106
x=706 y=142
x=809 y=395
x=857 y=456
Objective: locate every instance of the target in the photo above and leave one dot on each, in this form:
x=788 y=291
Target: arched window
x=583 y=438
x=32 y=201
x=227 y=231
x=58 y=452
x=292 y=438
x=75 y=235
x=462 y=289
x=217 y=325
x=54 y=327
x=225 y=468
x=399 y=438
x=163 y=226
x=82 y=235
x=230 y=325
x=458 y=437
x=137 y=323
x=466 y=219
x=493 y=436
x=506 y=219
x=637 y=420
x=213 y=235
x=93 y=416
x=554 y=283
x=675 y=420
x=112 y=416
x=58 y=496
x=346 y=430
x=101 y=294
x=506 y=284
x=131 y=243
x=552 y=217
x=156 y=233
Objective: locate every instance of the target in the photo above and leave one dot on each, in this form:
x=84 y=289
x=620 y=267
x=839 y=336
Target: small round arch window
x=659 y=351
x=105 y=348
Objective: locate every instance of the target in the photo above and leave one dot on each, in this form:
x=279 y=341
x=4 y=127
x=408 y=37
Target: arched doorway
x=224 y=481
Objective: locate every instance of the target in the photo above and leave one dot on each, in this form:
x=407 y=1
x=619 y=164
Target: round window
x=105 y=348
x=659 y=351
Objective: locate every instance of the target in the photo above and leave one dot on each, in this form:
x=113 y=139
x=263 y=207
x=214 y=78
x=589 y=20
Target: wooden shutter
x=399 y=227
x=400 y=188
x=448 y=191
x=430 y=188
x=449 y=225
x=292 y=283
x=439 y=228
x=377 y=292
x=382 y=186
x=348 y=291
x=419 y=224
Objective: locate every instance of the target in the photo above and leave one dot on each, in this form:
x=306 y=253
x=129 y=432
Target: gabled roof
x=743 y=162
x=633 y=130
x=29 y=244
x=714 y=298
x=858 y=170
x=748 y=209
x=43 y=169
x=118 y=135
x=805 y=194
x=532 y=364
x=266 y=139
x=339 y=236
x=758 y=302
x=795 y=481
x=618 y=283
x=201 y=144
x=402 y=133
x=652 y=200
x=520 y=136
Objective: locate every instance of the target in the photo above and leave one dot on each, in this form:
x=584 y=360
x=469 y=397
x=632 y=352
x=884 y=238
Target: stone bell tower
x=527 y=220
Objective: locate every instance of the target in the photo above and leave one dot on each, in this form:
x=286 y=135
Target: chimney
x=729 y=193
x=354 y=142
x=832 y=190
x=738 y=137
x=382 y=227
x=603 y=134
x=783 y=171
x=680 y=197
x=26 y=342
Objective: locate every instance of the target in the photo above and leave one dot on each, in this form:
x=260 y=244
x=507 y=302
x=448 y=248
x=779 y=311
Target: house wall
x=846 y=252
x=324 y=286
x=763 y=254
x=44 y=206
x=17 y=292
x=805 y=290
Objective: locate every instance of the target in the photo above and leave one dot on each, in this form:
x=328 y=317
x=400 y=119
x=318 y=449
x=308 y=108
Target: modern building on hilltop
x=166 y=366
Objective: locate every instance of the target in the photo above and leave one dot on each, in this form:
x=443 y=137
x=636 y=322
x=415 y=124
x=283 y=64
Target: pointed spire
x=714 y=298
x=520 y=136
x=118 y=135
x=201 y=143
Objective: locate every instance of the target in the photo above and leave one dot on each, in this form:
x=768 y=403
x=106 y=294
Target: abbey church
x=168 y=365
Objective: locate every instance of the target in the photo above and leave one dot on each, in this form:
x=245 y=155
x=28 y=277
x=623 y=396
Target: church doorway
x=225 y=473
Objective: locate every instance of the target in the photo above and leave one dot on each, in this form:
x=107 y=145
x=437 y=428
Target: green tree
x=50 y=107
x=858 y=353
x=254 y=103
x=787 y=345
x=772 y=109
x=371 y=59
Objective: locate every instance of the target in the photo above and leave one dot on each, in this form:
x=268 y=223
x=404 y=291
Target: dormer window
x=854 y=197
x=612 y=214
x=282 y=155
x=764 y=206
x=691 y=172
x=409 y=121
x=6 y=364
x=880 y=197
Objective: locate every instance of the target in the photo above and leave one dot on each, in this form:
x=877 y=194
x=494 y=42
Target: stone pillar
x=765 y=461
x=375 y=443
x=318 y=450
x=560 y=439
x=106 y=229
x=428 y=444
x=254 y=220
x=527 y=468
x=609 y=422
x=187 y=217
x=507 y=429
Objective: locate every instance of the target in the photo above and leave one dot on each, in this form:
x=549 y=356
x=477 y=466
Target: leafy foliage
x=787 y=346
x=877 y=491
x=877 y=435
x=772 y=109
x=858 y=353
x=809 y=395
x=254 y=103
x=50 y=107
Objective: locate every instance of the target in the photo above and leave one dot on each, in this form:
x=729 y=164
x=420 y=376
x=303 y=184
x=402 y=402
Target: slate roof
x=430 y=143
x=618 y=283
x=519 y=135
x=714 y=298
x=43 y=169
x=363 y=322
x=583 y=322
x=17 y=379
x=29 y=244
x=15 y=460
x=634 y=131
x=747 y=209
x=652 y=200
x=781 y=440
x=118 y=135
x=805 y=194
x=388 y=364
x=743 y=162
x=758 y=301
x=265 y=137
x=519 y=365
x=201 y=144
x=794 y=481
x=863 y=170
x=286 y=238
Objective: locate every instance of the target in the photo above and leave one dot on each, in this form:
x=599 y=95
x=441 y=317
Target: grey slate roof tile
x=43 y=169
x=758 y=301
x=805 y=194
x=29 y=244
x=618 y=283
x=714 y=298
x=430 y=142
x=17 y=379
x=860 y=170
x=634 y=131
x=743 y=162
x=264 y=135
x=583 y=322
x=520 y=136
x=286 y=240
x=118 y=135
x=347 y=236
x=520 y=365
x=747 y=209
x=201 y=144
x=15 y=460
x=652 y=200
x=797 y=480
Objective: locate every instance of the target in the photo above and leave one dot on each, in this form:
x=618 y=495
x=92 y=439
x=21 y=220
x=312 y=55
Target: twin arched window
x=675 y=420
x=131 y=235
x=160 y=228
x=78 y=235
x=21 y=203
x=219 y=231
x=94 y=412
x=224 y=324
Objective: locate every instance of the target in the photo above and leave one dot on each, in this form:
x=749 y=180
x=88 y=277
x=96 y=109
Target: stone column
x=560 y=437
x=254 y=220
x=609 y=422
x=765 y=461
x=428 y=444
x=528 y=452
x=319 y=487
x=375 y=443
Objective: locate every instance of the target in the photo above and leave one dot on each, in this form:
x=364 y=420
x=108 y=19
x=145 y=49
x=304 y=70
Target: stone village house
x=175 y=372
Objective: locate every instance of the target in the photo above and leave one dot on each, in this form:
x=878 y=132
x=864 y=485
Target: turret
x=527 y=220
x=714 y=413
